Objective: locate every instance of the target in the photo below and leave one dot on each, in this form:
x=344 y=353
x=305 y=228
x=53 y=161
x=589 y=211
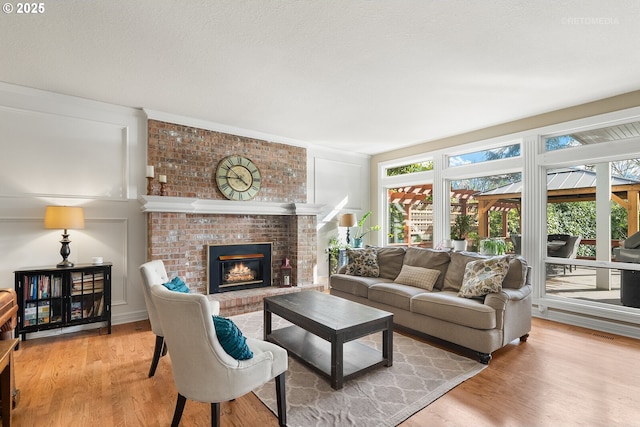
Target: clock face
x=238 y=178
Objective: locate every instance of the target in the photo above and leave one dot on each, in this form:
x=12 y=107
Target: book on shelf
x=87 y=282
x=76 y=310
x=43 y=312
x=98 y=306
x=30 y=313
x=56 y=291
x=41 y=286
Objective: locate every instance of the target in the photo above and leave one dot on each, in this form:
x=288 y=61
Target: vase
x=357 y=243
x=459 y=245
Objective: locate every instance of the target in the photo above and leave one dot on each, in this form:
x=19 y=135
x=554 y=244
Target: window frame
x=533 y=163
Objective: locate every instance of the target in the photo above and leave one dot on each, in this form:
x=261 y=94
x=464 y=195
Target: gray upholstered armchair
x=202 y=370
x=154 y=273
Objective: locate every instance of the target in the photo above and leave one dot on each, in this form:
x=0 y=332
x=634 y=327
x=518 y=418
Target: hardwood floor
x=563 y=376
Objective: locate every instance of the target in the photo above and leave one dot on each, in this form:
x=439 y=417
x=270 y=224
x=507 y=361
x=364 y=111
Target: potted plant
x=461 y=226
x=493 y=246
x=362 y=231
x=474 y=240
x=333 y=253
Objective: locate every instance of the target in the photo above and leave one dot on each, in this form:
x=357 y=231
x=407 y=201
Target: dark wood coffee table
x=323 y=330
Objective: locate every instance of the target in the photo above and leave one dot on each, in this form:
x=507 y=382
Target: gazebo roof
x=561 y=179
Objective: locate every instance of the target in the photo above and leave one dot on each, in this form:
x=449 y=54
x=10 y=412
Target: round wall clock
x=238 y=178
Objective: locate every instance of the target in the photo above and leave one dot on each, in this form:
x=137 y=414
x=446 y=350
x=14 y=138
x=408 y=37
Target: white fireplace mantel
x=229 y=207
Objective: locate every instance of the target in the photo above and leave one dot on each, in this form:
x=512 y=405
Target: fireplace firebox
x=238 y=266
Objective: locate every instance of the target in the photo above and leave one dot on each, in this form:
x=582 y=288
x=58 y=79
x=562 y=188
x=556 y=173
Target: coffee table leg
x=337 y=367
x=267 y=324
x=387 y=345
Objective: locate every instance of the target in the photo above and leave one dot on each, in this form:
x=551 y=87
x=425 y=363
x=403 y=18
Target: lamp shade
x=64 y=217
x=347 y=220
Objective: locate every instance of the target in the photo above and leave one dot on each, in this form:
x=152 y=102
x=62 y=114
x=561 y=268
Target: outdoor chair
x=568 y=250
x=154 y=273
x=516 y=240
x=202 y=369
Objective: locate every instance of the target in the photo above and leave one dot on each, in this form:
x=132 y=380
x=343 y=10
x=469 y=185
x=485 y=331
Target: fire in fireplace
x=238 y=266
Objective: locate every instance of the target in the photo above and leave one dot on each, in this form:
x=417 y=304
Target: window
x=494 y=203
x=485 y=155
x=410 y=168
x=576 y=232
x=595 y=136
x=411 y=215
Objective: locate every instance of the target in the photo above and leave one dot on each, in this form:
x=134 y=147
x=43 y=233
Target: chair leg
x=158 y=352
x=281 y=398
x=215 y=414
x=177 y=414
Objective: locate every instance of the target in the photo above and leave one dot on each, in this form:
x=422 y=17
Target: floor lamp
x=347 y=220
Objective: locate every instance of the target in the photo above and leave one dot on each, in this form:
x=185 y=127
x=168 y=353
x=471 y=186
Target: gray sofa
x=480 y=323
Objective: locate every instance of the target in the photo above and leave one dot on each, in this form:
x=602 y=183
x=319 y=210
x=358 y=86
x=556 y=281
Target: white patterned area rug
x=385 y=396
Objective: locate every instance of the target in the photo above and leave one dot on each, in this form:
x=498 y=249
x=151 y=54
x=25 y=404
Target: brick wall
x=189 y=157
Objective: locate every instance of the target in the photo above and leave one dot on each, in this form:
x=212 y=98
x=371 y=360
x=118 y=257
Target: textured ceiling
x=366 y=76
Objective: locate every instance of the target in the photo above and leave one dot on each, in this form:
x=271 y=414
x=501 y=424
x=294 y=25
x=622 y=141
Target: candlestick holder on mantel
x=149 y=175
x=163 y=184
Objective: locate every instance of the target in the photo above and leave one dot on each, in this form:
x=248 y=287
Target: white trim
x=226 y=207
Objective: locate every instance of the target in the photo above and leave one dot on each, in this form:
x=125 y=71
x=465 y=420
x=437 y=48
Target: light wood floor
x=563 y=376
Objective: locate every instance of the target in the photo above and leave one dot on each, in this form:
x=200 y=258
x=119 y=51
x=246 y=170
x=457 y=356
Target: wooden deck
x=580 y=283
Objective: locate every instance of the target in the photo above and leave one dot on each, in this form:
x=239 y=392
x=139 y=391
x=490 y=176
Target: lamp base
x=65 y=263
x=65 y=251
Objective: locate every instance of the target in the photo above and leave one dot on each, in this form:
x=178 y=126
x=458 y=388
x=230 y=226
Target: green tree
x=579 y=219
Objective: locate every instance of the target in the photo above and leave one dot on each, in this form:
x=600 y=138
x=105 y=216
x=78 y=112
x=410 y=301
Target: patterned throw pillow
x=483 y=276
x=231 y=339
x=419 y=277
x=363 y=262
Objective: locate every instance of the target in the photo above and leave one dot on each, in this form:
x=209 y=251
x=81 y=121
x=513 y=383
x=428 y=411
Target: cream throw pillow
x=483 y=276
x=419 y=277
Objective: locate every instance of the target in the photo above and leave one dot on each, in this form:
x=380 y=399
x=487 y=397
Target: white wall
x=60 y=150
x=340 y=182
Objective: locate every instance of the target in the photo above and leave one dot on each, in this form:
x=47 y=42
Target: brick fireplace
x=195 y=214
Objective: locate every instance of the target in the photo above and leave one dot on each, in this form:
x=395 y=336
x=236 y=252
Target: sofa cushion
x=419 y=277
x=483 y=276
x=363 y=262
x=393 y=294
x=455 y=272
x=447 y=306
x=355 y=285
x=390 y=260
x=517 y=275
x=429 y=258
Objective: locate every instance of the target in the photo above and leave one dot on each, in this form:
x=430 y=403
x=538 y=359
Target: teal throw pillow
x=177 y=285
x=231 y=338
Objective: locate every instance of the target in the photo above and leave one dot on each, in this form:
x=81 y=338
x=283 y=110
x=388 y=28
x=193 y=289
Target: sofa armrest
x=513 y=311
x=499 y=301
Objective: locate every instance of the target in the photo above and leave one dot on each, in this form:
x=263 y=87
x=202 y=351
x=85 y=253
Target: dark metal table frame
x=324 y=324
